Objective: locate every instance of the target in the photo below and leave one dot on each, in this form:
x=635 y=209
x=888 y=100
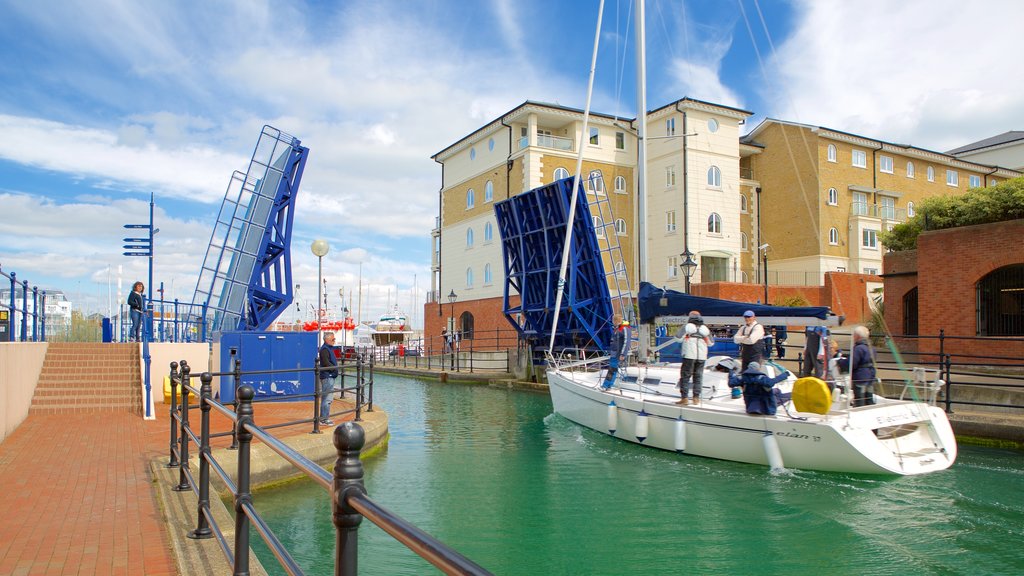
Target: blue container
x=269 y=351
x=673 y=352
x=108 y=331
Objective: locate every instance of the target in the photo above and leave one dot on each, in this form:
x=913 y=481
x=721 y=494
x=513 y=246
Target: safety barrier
x=10 y=309
x=350 y=502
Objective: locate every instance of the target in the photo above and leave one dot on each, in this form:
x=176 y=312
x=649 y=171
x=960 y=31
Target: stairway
x=89 y=377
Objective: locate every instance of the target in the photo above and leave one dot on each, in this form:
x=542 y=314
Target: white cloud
x=935 y=73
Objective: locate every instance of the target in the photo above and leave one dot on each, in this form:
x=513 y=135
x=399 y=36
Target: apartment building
x=693 y=184
x=819 y=197
x=1006 y=149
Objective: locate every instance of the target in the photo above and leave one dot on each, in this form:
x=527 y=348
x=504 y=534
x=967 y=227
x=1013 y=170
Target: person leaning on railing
x=328 y=377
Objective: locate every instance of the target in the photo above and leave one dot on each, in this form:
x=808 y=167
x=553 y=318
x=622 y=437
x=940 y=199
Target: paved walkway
x=76 y=494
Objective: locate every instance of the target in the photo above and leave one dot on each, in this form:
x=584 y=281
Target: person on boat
x=328 y=377
x=749 y=338
x=695 y=338
x=618 y=349
x=758 y=389
x=861 y=363
x=780 y=341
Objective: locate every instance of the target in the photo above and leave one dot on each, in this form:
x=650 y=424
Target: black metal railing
x=350 y=502
x=476 y=351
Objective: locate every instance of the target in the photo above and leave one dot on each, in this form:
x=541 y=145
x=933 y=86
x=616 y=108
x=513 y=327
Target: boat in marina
x=892 y=436
x=391 y=328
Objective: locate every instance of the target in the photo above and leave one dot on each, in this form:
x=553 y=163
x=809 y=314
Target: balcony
x=746 y=173
x=546 y=141
x=878 y=211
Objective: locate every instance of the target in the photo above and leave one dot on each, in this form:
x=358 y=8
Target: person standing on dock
x=618 y=349
x=136 y=305
x=696 y=338
x=749 y=338
x=328 y=377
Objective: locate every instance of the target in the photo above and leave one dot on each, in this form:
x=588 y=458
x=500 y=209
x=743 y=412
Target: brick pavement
x=76 y=494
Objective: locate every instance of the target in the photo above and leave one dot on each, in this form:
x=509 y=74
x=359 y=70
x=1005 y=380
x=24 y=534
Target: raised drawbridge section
x=246 y=278
x=532 y=227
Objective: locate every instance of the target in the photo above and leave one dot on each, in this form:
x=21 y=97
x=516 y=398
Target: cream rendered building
x=822 y=196
x=535 y=144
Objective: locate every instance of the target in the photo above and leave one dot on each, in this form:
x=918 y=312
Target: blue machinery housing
x=246 y=278
x=532 y=228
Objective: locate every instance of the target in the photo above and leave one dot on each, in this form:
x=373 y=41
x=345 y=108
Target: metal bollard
x=183 y=484
x=949 y=383
x=348 y=479
x=245 y=394
x=317 y=385
x=174 y=406
x=203 y=530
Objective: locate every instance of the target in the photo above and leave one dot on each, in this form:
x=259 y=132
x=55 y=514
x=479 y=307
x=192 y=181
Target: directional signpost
x=136 y=246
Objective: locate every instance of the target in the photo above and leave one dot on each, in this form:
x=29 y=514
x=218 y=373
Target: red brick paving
x=76 y=495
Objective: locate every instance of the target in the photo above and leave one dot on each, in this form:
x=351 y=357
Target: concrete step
x=94 y=407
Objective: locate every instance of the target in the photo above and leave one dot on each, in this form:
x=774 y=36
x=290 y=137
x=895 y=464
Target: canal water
x=521 y=491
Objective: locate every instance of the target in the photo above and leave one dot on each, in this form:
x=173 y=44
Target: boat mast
x=641 y=160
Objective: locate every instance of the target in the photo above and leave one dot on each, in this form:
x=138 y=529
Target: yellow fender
x=811 y=394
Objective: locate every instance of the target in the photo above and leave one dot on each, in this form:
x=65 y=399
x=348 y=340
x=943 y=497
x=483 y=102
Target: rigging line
x=620 y=67
x=576 y=183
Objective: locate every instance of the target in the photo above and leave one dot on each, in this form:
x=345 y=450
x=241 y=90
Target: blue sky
x=105 y=101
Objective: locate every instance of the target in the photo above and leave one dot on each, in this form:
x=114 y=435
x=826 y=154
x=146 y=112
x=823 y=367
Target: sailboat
x=827 y=433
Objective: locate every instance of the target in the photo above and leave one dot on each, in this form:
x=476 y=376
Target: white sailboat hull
x=891 y=437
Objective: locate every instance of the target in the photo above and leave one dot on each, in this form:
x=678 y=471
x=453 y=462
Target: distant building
x=1006 y=149
x=57 y=311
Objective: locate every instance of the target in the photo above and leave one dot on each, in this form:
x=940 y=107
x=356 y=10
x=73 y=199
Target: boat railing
x=350 y=502
x=576 y=359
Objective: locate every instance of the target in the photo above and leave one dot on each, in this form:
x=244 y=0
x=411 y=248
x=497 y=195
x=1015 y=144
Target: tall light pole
x=452 y=297
x=689 y=266
x=764 y=248
x=320 y=249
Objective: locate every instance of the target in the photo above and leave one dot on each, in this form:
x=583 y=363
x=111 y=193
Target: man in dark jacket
x=862 y=363
x=618 y=349
x=758 y=388
x=328 y=377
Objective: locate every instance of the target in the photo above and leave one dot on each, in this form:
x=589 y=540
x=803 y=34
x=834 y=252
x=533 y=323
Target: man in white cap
x=749 y=338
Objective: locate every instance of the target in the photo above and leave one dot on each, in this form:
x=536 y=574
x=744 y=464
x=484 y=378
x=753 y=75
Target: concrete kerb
x=180 y=509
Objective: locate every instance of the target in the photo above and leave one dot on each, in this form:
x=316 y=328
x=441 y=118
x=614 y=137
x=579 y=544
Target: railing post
x=42 y=325
x=942 y=348
x=183 y=484
x=24 y=310
x=949 y=384
x=245 y=394
x=316 y=394
x=35 y=313
x=203 y=530
x=174 y=408
x=10 y=318
x=360 y=375
x=348 y=479
x=369 y=402
x=236 y=381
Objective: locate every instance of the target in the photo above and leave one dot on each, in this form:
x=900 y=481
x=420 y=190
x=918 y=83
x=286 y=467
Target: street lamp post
x=452 y=297
x=320 y=249
x=688 y=265
x=764 y=250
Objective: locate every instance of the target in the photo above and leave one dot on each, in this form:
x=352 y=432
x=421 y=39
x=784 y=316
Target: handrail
x=349 y=498
x=38 y=302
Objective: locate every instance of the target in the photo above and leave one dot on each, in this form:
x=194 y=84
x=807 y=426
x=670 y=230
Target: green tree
x=1004 y=201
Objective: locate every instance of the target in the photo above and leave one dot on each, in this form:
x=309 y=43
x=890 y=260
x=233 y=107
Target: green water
x=496 y=475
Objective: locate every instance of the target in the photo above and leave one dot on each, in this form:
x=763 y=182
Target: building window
x=869 y=238
x=599 y=226
x=670 y=176
x=469 y=277
x=593 y=135
x=714 y=223
x=670 y=221
x=885 y=164
x=831 y=152
x=931 y=174
x=974 y=181
x=743 y=203
x=872 y=271
x=488 y=233
x=860 y=204
x=860 y=159
x=620 y=269
x=620 y=184
x=488 y=280
x=469 y=238
x=714 y=177
x=712 y=125
x=470 y=199
x=993 y=182
x=744 y=243
x=673 y=267
x=561 y=173
x=670 y=127
x=490 y=145
x=910 y=169
x=833 y=197
x=620 y=141
x=1000 y=297
x=488 y=191
x=887 y=207
x=833 y=236
x=910 y=209
x=595 y=183
x=952 y=178
x=620 y=227
x=472 y=153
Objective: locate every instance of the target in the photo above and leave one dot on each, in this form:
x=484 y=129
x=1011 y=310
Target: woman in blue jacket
x=862 y=361
x=758 y=389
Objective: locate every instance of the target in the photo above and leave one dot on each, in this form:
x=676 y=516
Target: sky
x=104 y=102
